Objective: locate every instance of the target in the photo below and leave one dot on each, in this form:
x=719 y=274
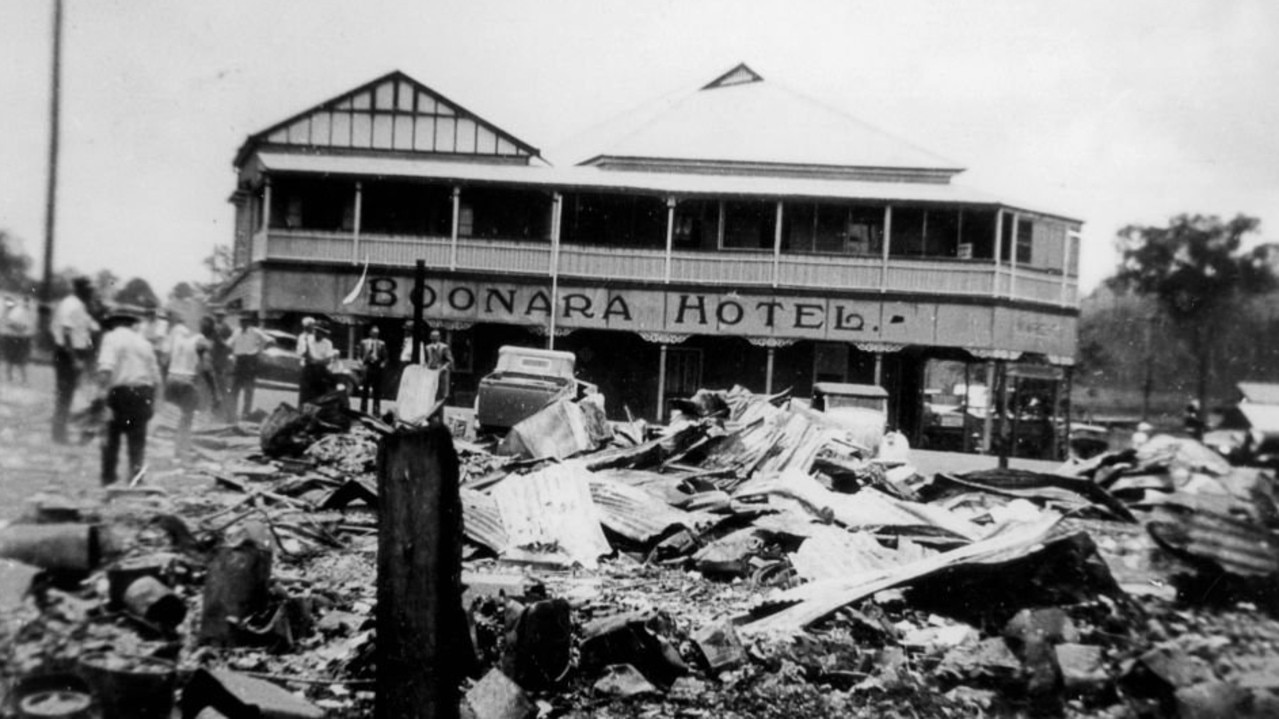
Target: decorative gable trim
x=740 y=75
x=393 y=113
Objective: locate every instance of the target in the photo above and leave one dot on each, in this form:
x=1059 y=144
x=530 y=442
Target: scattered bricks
x=236 y=695
x=1082 y=668
x=539 y=643
x=153 y=601
x=1049 y=625
x=720 y=647
x=1156 y=676
x=623 y=680
x=687 y=689
x=633 y=638
x=497 y=697
x=1213 y=700
x=988 y=658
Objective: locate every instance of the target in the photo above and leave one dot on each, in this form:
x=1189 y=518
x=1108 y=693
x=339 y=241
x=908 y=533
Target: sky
x=1113 y=112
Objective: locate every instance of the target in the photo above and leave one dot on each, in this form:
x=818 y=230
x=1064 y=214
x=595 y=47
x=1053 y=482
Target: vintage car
x=524 y=381
x=280 y=364
x=861 y=409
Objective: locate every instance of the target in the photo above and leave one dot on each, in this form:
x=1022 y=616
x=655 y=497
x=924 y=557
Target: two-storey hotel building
x=738 y=234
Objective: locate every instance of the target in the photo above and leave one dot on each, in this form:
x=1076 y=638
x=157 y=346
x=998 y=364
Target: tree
x=137 y=292
x=221 y=266
x=1199 y=274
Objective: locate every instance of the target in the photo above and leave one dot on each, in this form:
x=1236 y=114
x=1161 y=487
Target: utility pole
x=51 y=190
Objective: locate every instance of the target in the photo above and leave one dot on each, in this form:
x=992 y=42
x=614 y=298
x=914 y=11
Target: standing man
x=129 y=373
x=156 y=331
x=187 y=354
x=247 y=344
x=72 y=329
x=373 y=355
x=20 y=327
x=220 y=355
x=316 y=352
x=440 y=357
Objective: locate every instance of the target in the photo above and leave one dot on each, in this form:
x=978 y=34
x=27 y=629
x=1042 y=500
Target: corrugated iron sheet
x=638 y=515
x=1236 y=545
x=810 y=602
x=550 y=517
x=833 y=553
x=481 y=521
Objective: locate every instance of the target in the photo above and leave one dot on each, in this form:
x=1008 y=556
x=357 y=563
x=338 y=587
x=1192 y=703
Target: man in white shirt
x=247 y=343
x=128 y=371
x=72 y=328
x=19 y=327
x=317 y=352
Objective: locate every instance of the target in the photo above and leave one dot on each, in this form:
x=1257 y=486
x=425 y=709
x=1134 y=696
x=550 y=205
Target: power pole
x=51 y=191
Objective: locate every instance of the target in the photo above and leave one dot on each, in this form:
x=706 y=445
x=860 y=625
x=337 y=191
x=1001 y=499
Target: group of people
x=435 y=354
x=134 y=355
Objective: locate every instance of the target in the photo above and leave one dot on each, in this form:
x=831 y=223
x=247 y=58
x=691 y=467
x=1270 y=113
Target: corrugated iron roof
x=833 y=553
x=593 y=178
x=756 y=121
x=1189 y=527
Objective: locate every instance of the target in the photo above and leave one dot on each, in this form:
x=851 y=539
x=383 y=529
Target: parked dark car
x=281 y=364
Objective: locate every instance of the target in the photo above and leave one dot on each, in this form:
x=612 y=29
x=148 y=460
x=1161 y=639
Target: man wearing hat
x=128 y=373
x=316 y=351
x=72 y=328
x=247 y=344
x=220 y=357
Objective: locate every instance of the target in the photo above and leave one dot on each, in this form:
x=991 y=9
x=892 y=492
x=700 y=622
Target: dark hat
x=82 y=282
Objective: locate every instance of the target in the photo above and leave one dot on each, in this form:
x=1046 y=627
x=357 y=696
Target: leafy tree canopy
x=137 y=291
x=1195 y=265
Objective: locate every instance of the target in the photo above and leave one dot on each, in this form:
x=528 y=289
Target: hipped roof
x=741 y=118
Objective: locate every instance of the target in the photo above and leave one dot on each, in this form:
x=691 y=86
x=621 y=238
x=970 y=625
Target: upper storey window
x=749 y=225
x=312 y=204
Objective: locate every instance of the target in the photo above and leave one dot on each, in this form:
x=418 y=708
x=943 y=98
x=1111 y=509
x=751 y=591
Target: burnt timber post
x=419 y=307
x=422 y=644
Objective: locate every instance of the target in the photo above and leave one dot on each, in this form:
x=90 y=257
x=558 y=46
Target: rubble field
x=747 y=560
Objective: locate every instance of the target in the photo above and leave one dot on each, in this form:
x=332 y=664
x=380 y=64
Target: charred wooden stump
x=423 y=648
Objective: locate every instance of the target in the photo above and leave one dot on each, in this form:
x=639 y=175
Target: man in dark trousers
x=440 y=357
x=247 y=344
x=373 y=355
x=129 y=373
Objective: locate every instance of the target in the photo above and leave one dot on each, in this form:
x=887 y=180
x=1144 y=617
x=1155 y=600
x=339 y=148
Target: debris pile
x=749 y=559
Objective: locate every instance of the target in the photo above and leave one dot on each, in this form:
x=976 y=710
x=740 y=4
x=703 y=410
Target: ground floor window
x=830 y=362
x=683 y=371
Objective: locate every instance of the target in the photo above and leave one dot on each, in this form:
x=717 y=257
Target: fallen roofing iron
x=1198 y=531
x=1038 y=485
x=812 y=602
x=550 y=517
x=638 y=515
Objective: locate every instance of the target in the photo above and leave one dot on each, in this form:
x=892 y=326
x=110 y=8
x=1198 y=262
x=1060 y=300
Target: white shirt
x=18 y=322
x=250 y=341
x=128 y=358
x=184 y=352
x=71 y=316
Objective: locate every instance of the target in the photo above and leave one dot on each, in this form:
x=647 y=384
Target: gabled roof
x=392 y=113
x=741 y=119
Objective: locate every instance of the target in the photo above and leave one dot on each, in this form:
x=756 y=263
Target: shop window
x=830 y=362
x=683 y=371
x=749 y=225
x=463 y=348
